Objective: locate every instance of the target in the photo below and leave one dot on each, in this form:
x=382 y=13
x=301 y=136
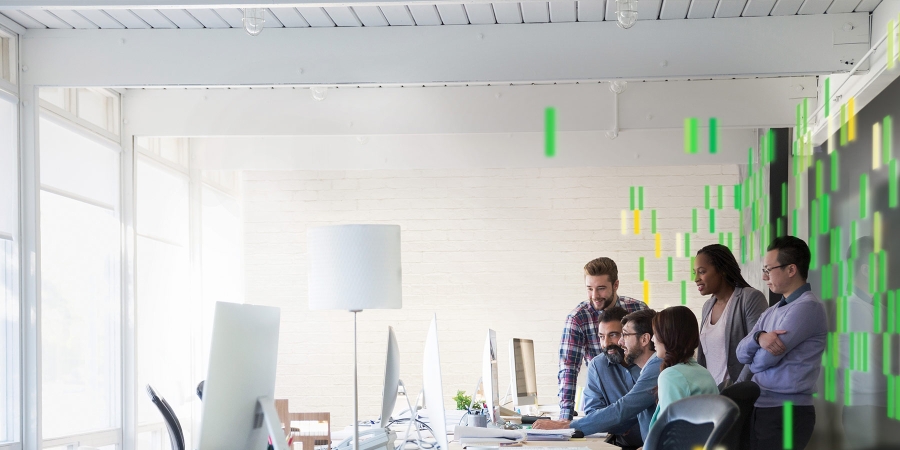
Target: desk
x=591 y=443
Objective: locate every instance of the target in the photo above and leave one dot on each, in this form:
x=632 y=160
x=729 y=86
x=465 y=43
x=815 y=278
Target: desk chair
x=700 y=420
x=745 y=395
x=175 y=433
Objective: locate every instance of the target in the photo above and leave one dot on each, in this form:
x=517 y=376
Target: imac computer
x=523 y=379
x=391 y=379
x=238 y=394
x=434 y=393
x=489 y=378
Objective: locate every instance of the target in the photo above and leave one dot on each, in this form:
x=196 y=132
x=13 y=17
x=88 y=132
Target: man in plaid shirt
x=579 y=339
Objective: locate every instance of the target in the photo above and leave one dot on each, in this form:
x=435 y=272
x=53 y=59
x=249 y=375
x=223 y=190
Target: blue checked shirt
x=579 y=344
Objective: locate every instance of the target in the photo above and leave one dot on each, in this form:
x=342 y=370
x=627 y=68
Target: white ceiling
x=114 y=14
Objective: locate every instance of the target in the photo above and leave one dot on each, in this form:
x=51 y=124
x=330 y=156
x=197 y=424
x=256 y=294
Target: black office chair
x=172 y=423
x=700 y=420
x=745 y=395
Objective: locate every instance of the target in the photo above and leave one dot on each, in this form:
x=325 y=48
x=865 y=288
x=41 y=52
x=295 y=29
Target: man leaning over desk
x=580 y=342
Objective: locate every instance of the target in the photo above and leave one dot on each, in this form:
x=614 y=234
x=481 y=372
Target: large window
x=164 y=311
x=9 y=273
x=80 y=238
x=188 y=257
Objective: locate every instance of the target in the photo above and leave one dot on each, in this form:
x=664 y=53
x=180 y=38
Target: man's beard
x=604 y=302
x=632 y=356
x=617 y=356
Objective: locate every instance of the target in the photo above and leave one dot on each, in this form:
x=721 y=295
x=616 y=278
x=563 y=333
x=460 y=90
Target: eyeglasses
x=632 y=334
x=612 y=335
x=766 y=270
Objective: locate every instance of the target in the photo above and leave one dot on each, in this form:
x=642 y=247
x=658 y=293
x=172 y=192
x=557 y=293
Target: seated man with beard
x=620 y=395
x=610 y=378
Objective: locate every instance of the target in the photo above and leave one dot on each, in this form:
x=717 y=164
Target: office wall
x=853 y=216
x=498 y=248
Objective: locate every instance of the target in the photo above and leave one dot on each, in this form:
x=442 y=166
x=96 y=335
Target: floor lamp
x=354 y=267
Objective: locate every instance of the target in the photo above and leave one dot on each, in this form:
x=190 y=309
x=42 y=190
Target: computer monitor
x=238 y=395
x=523 y=377
x=489 y=378
x=434 y=392
x=391 y=379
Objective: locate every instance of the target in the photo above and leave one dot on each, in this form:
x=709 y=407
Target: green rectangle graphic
x=641 y=268
x=550 y=131
x=671 y=269
x=720 y=196
x=788 y=425
x=835 y=171
x=863 y=195
x=691 y=131
x=892 y=184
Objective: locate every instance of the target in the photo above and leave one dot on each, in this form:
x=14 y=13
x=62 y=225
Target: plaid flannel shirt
x=580 y=343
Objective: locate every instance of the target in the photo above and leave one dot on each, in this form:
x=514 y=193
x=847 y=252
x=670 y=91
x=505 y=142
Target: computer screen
x=434 y=392
x=489 y=377
x=523 y=377
x=391 y=378
x=238 y=395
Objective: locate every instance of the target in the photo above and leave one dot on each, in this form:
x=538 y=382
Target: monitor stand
x=266 y=413
x=508 y=412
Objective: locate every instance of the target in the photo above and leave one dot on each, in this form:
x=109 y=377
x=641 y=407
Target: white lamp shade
x=354 y=267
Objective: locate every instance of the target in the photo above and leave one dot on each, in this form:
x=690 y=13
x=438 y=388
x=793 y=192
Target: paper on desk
x=460 y=433
x=561 y=432
x=547 y=437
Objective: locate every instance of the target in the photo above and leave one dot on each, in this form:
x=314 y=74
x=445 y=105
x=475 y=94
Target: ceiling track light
x=319 y=93
x=626 y=13
x=253 y=20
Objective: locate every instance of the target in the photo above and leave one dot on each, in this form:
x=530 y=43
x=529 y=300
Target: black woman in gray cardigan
x=727 y=316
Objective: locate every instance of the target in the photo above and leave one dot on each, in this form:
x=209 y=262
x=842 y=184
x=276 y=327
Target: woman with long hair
x=676 y=336
x=728 y=315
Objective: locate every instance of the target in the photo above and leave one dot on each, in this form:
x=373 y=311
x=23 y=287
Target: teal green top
x=680 y=381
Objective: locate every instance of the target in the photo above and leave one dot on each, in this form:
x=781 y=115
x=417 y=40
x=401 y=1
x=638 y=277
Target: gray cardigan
x=749 y=304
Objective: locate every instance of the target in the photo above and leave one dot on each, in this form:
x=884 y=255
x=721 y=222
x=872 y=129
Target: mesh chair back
x=700 y=420
x=745 y=395
x=172 y=423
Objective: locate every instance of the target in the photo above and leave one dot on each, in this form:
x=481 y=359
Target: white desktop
x=489 y=377
x=434 y=392
x=238 y=395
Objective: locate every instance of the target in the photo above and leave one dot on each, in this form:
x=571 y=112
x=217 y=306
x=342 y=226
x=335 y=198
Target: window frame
x=14 y=373
x=9 y=48
x=66 y=119
x=69 y=112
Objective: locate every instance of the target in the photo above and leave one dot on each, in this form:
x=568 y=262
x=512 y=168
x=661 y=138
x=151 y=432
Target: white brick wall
x=498 y=248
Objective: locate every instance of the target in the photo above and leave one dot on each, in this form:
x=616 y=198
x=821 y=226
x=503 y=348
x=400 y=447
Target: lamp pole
x=355 y=387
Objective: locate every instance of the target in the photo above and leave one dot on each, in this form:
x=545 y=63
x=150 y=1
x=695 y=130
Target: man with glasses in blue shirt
x=620 y=398
x=784 y=349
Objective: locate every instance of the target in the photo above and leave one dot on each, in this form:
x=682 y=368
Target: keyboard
x=531 y=419
x=531 y=447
